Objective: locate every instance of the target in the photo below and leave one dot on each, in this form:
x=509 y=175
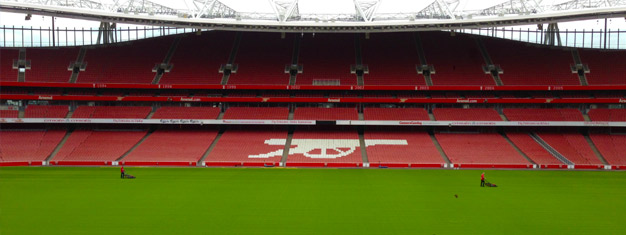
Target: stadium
x=354 y=118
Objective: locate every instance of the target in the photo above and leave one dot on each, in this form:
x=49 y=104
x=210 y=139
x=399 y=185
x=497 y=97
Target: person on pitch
x=122 y=170
x=482 y=180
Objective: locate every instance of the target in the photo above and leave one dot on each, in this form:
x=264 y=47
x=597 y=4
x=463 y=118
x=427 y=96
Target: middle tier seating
x=136 y=112
x=534 y=114
x=608 y=115
x=473 y=114
x=46 y=111
x=475 y=148
x=93 y=145
x=267 y=113
x=9 y=113
x=325 y=114
x=382 y=114
x=186 y=113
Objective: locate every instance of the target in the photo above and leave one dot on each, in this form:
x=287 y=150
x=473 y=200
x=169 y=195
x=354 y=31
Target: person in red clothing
x=122 y=170
x=482 y=179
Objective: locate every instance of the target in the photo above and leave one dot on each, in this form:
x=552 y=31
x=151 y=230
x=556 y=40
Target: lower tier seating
x=397 y=146
x=95 y=145
x=172 y=146
x=573 y=146
x=532 y=149
x=249 y=145
x=324 y=146
x=612 y=147
x=487 y=148
x=22 y=145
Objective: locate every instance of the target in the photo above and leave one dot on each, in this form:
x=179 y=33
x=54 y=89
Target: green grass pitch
x=87 y=200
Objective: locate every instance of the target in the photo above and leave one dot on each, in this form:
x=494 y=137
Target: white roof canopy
x=324 y=15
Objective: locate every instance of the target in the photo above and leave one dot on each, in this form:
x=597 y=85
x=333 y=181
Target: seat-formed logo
x=328 y=148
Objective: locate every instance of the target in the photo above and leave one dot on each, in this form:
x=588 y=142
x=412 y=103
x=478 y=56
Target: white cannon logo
x=340 y=147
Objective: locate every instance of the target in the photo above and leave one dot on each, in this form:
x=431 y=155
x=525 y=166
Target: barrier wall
x=312 y=87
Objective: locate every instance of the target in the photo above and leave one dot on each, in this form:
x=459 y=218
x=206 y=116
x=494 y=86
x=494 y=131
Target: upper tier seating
x=395 y=114
x=197 y=59
x=125 y=63
x=261 y=59
x=477 y=148
x=571 y=145
x=87 y=145
x=138 y=112
x=186 y=113
x=249 y=145
x=16 y=146
x=172 y=146
x=327 y=57
x=419 y=148
x=532 y=149
x=606 y=67
x=50 y=65
x=7 y=73
x=608 y=115
x=328 y=114
x=391 y=59
x=268 y=113
x=46 y=111
x=473 y=114
x=612 y=147
x=457 y=59
x=531 y=65
x=318 y=145
x=532 y=114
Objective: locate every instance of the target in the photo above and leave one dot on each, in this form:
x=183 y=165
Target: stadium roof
x=324 y=15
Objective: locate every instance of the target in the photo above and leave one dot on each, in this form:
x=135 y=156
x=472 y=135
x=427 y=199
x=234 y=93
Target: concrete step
x=283 y=160
x=59 y=146
x=136 y=145
x=595 y=150
x=517 y=149
x=439 y=148
x=213 y=144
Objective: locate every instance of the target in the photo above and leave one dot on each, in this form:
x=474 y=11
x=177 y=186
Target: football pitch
x=91 y=200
